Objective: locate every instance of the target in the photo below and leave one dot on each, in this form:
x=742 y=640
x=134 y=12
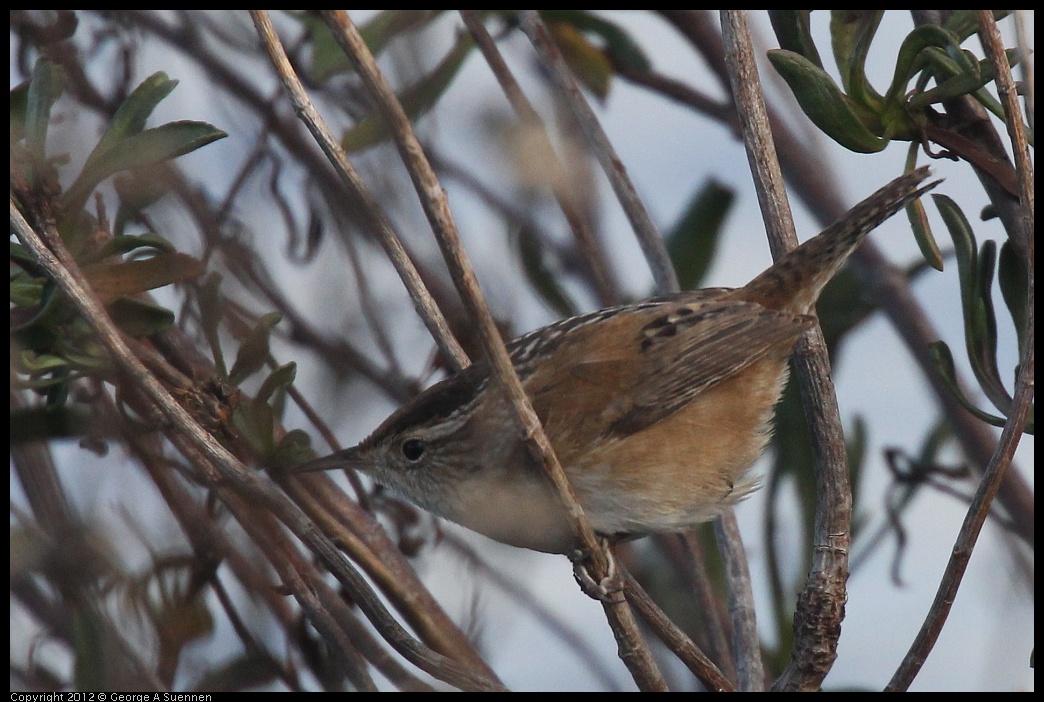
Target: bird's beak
x=348 y=458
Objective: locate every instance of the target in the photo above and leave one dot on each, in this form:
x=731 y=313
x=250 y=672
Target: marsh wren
x=656 y=410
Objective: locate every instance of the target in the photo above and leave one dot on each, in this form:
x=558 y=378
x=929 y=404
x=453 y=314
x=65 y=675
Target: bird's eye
x=413 y=449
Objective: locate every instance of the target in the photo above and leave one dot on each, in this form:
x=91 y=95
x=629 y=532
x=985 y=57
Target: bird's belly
x=685 y=469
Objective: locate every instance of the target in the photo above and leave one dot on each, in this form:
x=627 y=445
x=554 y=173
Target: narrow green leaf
x=120 y=245
x=33 y=363
x=794 y=32
x=851 y=33
x=976 y=301
x=163 y=143
x=138 y=188
x=984 y=342
x=48 y=423
x=111 y=280
x=912 y=59
x=254 y=420
x=294 y=448
x=588 y=62
x=963 y=242
x=25 y=294
x=964 y=23
x=918 y=218
x=943 y=359
x=44 y=88
x=617 y=44
x=954 y=86
x=131 y=115
x=18 y=106
x=253 y=352
x=89 y=644
x=824 y=103
x=693 y=240
x=542 y=280
x=328 y=58
x=21 y=256
x=210 y=311
x=246 y=671
x=138 y=317
x=1014 y=284
x=278 y=380
x=416 y=100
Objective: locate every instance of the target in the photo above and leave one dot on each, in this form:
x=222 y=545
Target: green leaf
x=32 y=363
x=48 y=423
x=328 y=58
x=278 y=380
x=617 y=44
x=254 y=421
x=253 y=352
x=89 y=644
x=794 y=33
x=25 y=294
x=294 y=448
x=964 y=23
x=138 y=317
x=1014 y=284
x=540 y=277
x=111 y=280
x=18 y=106
x=985 y=341
x=918 y=218
x=44 y=88
x=247 y=671
x=137 y=189
x=119 y=245
x=693 y=240
x=155 y=145
x=416 y=100
x=588 y=62
x=943 y=359
x=380 y=29
x=131 y=115
x=210 y=310
x=851 y=33
x=912 y=59
x=976 y=278
x=958 y=84
x=824 y=103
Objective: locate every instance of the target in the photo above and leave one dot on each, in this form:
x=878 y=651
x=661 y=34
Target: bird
x=656 y=410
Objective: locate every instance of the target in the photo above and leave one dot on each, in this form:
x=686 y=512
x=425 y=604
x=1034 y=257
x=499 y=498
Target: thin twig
x=648 y=237
x=994 y=47
x=750 y=673
x=1026 y=67
x=675 y=639
x=817 y=621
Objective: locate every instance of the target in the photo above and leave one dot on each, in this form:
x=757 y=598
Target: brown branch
x=675 y=639
x=817 y=622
